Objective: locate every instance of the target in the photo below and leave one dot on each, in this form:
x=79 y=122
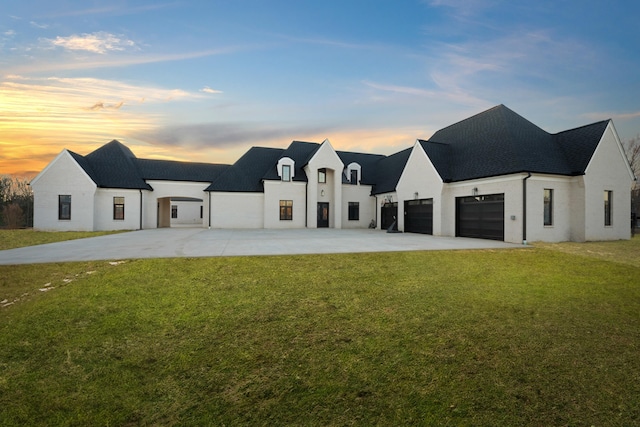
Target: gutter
x=524 y=208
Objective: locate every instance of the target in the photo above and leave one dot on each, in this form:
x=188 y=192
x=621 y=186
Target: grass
x=494 y=337
x=10 y=239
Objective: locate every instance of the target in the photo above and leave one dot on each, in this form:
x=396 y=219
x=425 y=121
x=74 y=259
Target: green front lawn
x=10 y=239
x=495 y=337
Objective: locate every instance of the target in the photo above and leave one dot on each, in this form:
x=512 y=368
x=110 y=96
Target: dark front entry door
x=388 y=213
x=323 y=214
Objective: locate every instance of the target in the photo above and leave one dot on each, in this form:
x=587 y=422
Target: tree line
x=16 y=202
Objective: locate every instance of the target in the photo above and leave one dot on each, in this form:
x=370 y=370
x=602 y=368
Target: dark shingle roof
x=246 y=174
x=500 y=142
x=388 y=171
x=300 y=152
x=113 y=166
x=368 y=163
x=168 y=170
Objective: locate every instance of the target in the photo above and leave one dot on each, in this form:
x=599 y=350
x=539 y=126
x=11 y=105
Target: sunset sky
x=205 y=80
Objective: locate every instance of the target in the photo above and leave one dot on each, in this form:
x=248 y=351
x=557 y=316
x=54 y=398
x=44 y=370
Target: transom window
x=548 y=206
x=118 y=208
x=64 y=207
x=286 y=210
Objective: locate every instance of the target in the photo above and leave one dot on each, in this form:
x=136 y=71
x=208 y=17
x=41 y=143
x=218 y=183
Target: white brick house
x=494 y=175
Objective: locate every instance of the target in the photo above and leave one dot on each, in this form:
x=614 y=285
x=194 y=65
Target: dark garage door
x=480 y=216
x=418 y=216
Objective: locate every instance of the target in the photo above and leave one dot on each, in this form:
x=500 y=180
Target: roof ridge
x=581 y=127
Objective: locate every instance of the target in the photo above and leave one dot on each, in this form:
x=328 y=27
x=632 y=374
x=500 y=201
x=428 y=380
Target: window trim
x=116 y=205
x=547 y=202
x=353 y=211
x=286 y=210
x=62 y=203
x=608 y=208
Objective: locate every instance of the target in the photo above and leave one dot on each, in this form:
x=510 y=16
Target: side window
x=118 y=208
x=64 y=207
x=174 y=211
x=608 y=207
x=548 y=206
x=354 y=211
x=286 y=210
x=286 y=173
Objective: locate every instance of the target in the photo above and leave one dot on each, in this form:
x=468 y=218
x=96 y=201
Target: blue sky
x=205 y=80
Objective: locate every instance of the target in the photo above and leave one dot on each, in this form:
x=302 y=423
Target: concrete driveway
x=201 y=242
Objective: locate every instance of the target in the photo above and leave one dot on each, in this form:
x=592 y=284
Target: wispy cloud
x=616 y=116
x=207 y=89
x=37 y=25
x=100 y=42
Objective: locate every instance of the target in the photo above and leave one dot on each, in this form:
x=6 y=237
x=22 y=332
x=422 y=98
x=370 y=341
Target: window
x=201 y=211
x=286 y=173
x=322 y=176
x=174 y=211
x=118 y=208
x=286 y=210
x=354 y=177
x=548 y=206
x=608 y=207
x=64 y=207
x=354 y=211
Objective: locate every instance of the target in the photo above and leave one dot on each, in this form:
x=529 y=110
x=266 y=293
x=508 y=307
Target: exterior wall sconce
x=474 y=192
x=415 y=195
x=322 y=193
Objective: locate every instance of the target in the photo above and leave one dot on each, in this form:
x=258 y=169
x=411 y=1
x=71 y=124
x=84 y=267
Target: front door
x=323 y=214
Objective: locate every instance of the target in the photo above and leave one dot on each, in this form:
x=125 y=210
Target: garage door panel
x=480 y=217
x=418 y=216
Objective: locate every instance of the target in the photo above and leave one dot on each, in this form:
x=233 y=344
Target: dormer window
x=322 y=176
x=354 y=173
x=286 y=169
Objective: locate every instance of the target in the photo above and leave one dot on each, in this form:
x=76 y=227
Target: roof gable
x=300 y=152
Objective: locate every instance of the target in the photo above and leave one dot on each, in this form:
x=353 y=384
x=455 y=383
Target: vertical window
x=608 y=207
x=354 y=177
x=286 y=210
x=322 y=176
x=354 y=211
x=201 y=211
x=64 y=207
x=174 y=211
x=548 y=206
x=286 y=172
x=118 y=208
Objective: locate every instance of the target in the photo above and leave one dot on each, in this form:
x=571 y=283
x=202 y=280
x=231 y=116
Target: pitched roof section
x=298 y=151
x=367 y=162
x=113 y=166
x=388 y=171
x=247 y=173
x=500 y=142
x=168 y=170
x=579 y=144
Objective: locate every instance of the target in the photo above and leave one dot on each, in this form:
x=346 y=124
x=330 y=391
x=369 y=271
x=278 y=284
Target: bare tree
x=16 y=202
x=632 y=149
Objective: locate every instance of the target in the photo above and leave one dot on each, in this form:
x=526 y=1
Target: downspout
x=306 y=204
x=524 y=208
x=140 y=189
x=209 y=210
